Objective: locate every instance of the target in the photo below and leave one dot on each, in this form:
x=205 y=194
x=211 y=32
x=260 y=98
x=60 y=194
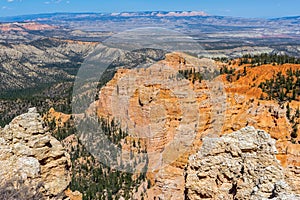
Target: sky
x=236 y=8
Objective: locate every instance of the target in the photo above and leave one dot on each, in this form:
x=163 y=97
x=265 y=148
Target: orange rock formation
x=173 y=114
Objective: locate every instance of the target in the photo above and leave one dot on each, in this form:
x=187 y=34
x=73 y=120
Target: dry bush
x=16 y=189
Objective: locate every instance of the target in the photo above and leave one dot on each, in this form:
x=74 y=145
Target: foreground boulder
x=30 y=155
x=241 y=165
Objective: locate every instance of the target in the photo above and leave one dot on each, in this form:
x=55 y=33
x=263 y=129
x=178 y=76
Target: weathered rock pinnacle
x=29 y=152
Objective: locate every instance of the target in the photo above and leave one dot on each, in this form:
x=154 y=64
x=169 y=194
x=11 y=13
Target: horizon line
x=107 y=13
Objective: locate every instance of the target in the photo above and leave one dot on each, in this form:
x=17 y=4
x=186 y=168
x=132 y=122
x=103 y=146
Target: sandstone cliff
x=30 y=153
x=160 y=106
x=240 y=165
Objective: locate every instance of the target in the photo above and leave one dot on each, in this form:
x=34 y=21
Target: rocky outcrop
x=74 y=195
x=247 y=109
x=240 y=165
x=160 y=106
x=154 y=98
x=29 y=152
x=58 y=117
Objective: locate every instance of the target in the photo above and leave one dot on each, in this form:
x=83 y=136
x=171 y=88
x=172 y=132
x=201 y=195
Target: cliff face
x=30 y=153
x=240 y=165
x=162 y=108
x=156 y=104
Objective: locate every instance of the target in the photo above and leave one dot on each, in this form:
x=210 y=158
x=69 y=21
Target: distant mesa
x=161 y=14
x=183 y=14
x=22 y=26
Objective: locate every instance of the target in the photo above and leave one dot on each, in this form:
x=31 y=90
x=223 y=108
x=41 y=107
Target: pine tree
x=288 y=111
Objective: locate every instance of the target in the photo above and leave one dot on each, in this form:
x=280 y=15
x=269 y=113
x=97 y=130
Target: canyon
x=192 y=126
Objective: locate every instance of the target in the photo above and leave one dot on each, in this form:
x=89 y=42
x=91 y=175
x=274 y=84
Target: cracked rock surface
x=241 y=165
x=28 y=151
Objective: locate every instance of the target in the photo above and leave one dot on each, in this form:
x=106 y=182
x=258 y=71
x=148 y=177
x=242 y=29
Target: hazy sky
x=241 y=8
